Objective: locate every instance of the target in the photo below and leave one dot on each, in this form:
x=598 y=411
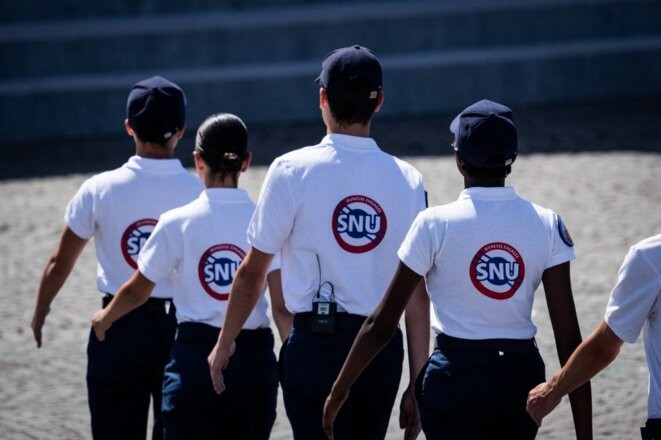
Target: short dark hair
x=348 y=111
x=222 y=142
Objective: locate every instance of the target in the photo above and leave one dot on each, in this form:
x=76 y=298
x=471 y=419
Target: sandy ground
x=609 y=200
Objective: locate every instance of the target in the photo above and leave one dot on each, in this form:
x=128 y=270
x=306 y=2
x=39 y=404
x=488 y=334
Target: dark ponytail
x=222 y=142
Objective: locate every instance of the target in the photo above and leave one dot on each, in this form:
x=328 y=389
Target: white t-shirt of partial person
x=120 y=208
x=204 y=242
x=635 y=305
x=337 y=212
x=483 y=257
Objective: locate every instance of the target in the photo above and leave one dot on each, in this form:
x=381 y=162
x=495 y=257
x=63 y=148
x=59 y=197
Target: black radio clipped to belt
x=323 y=312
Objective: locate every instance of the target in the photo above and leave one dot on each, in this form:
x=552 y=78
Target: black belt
x=164 y=305
x=511 y=345
x=343 y=321
x=198 y=331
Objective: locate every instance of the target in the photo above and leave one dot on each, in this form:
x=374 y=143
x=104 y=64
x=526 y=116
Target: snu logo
x=359 y=224
x=134 y=238
x=217 y=268
x=497 y=270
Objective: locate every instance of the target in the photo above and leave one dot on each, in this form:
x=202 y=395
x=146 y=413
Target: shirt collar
x=348 y=142
x=488 y=193
x=154 y=165
x=225 y=195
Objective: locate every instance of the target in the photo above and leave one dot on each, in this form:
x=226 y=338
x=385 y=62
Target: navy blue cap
x=352 y=71
x=485 y=135
x=156 y=109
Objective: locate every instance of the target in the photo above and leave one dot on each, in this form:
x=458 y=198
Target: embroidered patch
x=564 y=233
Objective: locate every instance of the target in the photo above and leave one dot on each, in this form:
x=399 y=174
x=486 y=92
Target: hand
x=409 y=417
x=331 y=408
x=541 y=400
x=218 y=360
x=38 y=320
x=99 y=325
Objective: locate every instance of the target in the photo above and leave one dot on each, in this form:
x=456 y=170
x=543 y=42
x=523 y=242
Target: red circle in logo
x=217 y=267
x=359 y=224
x=497 y=270
x=134 y=238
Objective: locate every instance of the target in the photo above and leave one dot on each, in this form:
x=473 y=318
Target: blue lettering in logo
x=357 y=223
x=220 y=271
x=497 y=271
x=135 y=242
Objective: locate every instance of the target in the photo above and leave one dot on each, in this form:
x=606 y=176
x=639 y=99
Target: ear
x=460 y=163
x=128 y=128
x=199 y=162
x=323 y=98
x=246 y=162
x=180 y=133
x=380 y=98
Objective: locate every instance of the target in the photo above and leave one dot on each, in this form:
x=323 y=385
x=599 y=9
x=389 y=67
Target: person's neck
x=470 y=182
x=154 y=151
x=358 y=130
x=216 y=182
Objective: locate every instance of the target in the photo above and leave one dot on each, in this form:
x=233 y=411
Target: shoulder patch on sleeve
x=564 y=232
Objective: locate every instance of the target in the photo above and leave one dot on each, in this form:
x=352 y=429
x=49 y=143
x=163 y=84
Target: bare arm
x=417 y=324
x=593 y=355
x=57 y=271
x=372 y=337
x=562 y=311
x=247 y=287
x=282 y=317
x=133 y=293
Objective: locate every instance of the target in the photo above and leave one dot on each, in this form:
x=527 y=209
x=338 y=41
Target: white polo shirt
x=337 y=211
x=483 y=257
x=120 y=208
x=204 y=242
x=635 y=305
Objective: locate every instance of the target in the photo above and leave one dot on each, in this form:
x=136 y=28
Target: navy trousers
x=247 y=407
x=473 y=390
x=651 y=430
x=125 y=372
x=309 y=364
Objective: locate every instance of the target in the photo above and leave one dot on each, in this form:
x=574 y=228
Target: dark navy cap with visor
x=353 y=72
x=156 y=109
x=485 y=135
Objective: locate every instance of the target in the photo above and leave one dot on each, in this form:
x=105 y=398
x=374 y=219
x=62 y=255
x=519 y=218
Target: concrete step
x=12 y=11
x=67 y=74
x=217 y=38
x=93 y=106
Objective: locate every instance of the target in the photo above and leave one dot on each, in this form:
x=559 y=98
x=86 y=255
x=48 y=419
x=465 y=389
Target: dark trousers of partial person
x=246 y=410
x=125 y=372
x=309 y=364
x=651 y=430
x=477 y=389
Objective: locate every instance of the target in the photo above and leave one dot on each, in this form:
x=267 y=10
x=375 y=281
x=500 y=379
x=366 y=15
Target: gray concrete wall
x=67 y=67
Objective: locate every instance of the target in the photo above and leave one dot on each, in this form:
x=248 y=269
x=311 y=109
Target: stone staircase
x=68 y=65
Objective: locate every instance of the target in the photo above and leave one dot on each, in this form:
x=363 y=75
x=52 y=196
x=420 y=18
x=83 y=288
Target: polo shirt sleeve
x=161 y=253
x=417 y=249
x=562 y=246
x=273 y=219
x=633 y=297
x=79 y=215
